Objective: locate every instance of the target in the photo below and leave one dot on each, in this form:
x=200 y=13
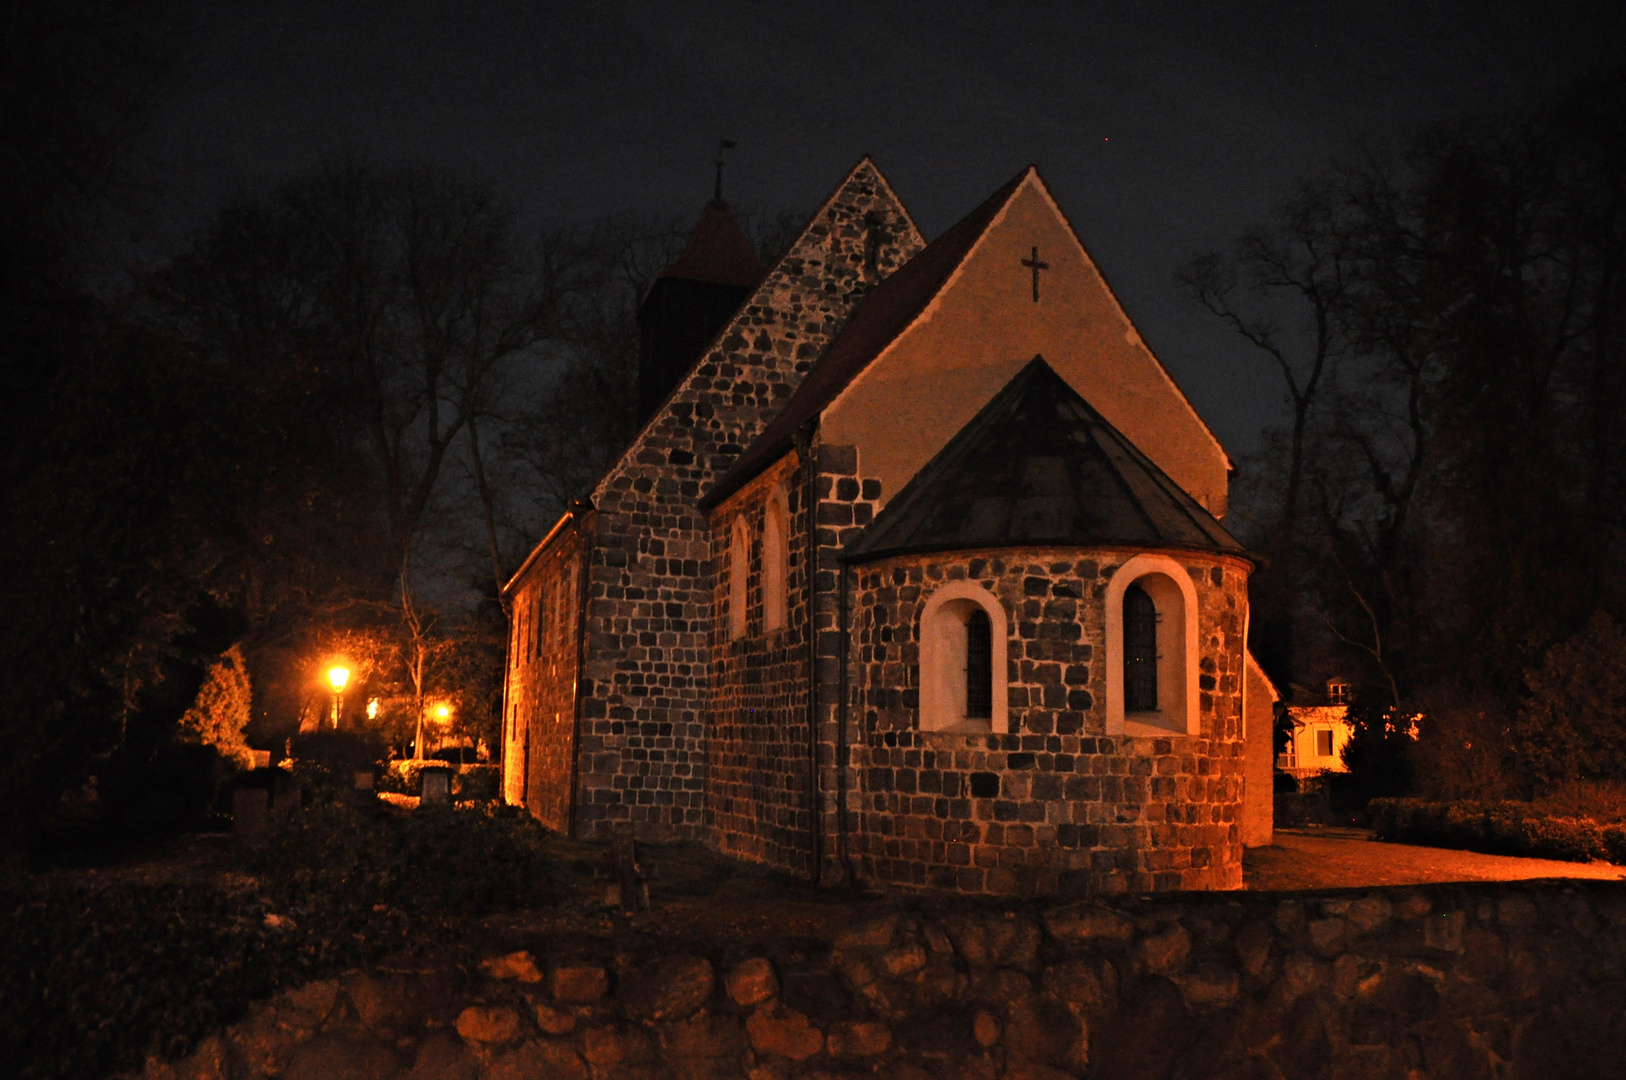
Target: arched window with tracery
x=775 y=561
x=739 y=571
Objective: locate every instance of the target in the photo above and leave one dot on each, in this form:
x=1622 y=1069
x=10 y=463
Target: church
x=915 y=575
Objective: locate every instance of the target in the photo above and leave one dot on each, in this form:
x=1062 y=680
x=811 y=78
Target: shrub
x=93 y=979
x=1497 y=828
x=326 y=762
x=470 y=861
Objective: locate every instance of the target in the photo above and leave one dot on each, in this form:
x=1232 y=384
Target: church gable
x=1025 y=287
x=859 y=236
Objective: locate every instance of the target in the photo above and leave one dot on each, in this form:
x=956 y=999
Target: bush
x=326 y=762
x=92 y=980
x=1497 y=828
x=473 y=861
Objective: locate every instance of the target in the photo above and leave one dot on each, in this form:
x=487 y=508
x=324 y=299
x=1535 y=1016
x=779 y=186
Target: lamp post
x=338 y=675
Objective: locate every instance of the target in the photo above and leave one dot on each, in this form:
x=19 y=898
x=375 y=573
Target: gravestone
x=248 y=812
x=436 y=786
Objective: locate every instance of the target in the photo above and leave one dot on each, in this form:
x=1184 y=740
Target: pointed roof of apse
x=1039 y=466
x=718 y=252
x=885 y=313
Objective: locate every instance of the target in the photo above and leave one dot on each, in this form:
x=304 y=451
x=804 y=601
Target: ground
x=1349 y=858
x=688 y=875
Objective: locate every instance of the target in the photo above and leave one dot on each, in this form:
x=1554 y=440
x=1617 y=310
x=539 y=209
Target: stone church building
x=915 y=574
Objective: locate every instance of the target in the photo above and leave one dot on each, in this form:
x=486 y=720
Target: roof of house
x=1039 y=465
x=884 y=314
x=718 y=252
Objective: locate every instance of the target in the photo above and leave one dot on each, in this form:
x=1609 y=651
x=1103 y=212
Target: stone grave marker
x=436 y=786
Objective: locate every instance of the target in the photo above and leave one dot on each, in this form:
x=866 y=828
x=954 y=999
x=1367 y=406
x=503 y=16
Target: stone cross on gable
x=1035 y=265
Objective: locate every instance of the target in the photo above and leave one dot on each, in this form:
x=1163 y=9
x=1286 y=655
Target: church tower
x=691 y=301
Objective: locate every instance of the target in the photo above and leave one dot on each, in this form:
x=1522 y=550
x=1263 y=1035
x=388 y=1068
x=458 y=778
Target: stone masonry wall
x=1056 y=804
x=540 y=720
x=645 y=686
x=758 y=800
x=1515 y=981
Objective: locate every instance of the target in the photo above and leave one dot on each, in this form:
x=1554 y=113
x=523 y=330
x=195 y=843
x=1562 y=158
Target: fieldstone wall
x=645 y=687
x=1511 y=981
x=758 y=794
x=1056 y=805
x=540 y=700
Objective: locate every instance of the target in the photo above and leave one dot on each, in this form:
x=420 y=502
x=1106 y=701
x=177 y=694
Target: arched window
x=1140 y=651
x=775 y=560
x=1151 y=661
x=962 y=660
x=979 y=666
x=739 y=570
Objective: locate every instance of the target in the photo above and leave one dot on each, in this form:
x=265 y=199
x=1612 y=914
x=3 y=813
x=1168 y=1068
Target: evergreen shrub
x=94 y=978
x=1497 y=828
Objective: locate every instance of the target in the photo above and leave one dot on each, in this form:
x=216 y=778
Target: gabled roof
x=884 y=314
x=718 y=252
x=1039 y=466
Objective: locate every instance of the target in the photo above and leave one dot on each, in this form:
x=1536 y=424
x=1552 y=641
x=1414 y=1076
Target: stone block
x=553 y=1021
x=858 y=1039
x=780 y=1032
x=441 y=1057
x=488 y=1024
x=1165 y=953
x=578 y=983
x=518 y=966
x=1085 y=922
x=535 y=1059
x=669 y=989
x=751 y=981
x=1443 y=931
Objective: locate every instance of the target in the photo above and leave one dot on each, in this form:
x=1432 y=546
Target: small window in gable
x=775 y=561
x=963 y=660
x=739 y=569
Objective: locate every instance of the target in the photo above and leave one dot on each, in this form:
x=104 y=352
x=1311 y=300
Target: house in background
x=1318 y=734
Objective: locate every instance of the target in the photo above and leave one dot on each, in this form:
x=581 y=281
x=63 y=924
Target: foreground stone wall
x=1508 y=980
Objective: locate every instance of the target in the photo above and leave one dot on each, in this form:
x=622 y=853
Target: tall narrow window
x=1140 y=651
x=775 y=558
x=979 y=666
x=739 y=567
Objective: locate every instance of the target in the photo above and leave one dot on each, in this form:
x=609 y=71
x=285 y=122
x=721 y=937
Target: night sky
x=1163 y=128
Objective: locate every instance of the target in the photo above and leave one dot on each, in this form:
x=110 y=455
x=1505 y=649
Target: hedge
x=1497 y=828
x=94 y=978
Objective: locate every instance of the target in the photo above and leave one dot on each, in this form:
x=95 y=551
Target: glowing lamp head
x=442 y=711
x=372 y=708
x=338 y=676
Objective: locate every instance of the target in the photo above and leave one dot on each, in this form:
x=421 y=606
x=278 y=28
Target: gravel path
x=1349 y=858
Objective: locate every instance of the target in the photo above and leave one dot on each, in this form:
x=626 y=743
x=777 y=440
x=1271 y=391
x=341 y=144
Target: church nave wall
x=646 y=690
x=759 y=802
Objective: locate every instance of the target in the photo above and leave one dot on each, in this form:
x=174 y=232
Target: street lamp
x=338 y=675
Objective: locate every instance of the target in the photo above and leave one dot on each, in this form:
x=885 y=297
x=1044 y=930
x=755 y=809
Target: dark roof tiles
x=1038 y=465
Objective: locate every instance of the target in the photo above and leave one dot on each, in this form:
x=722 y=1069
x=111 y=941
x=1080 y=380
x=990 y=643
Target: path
x=1349 y=858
